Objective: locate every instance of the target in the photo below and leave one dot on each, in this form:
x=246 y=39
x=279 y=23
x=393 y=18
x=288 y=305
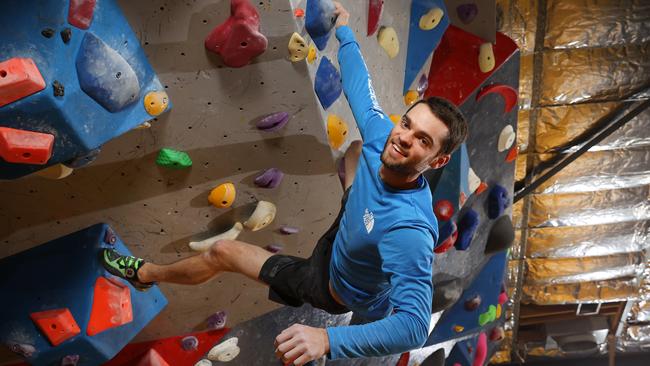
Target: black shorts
x=294 y=281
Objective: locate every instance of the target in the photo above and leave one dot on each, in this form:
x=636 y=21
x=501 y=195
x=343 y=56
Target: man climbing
x=376 y=259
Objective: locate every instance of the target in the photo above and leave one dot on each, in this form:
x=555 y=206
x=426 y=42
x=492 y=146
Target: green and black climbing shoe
x=123 y=266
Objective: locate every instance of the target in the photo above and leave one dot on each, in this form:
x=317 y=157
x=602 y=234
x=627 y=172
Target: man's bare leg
x=351 y=159
x=223 y=256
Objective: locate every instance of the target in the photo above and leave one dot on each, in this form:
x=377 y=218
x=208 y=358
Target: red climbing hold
x=25 y=147
x=299 y=13
x=444 y=210
x=449 y=242
x=374 y=12
x=80 y=13
x=19 y=77
x=512 y=154
x=58 y=325
x=403 y=359
x=152 y=358
x=111 y=306
x=238 y=39
x=508 y=93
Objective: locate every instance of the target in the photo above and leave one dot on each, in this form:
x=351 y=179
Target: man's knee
x=220 y=253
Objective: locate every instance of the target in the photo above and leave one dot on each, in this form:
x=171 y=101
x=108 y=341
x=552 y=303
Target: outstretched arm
x=356 y=80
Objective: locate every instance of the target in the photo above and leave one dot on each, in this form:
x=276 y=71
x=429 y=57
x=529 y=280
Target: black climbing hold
x=446 y=294
x=502 y=235
x=47 y=32
x=66 y=35
x=59 y=90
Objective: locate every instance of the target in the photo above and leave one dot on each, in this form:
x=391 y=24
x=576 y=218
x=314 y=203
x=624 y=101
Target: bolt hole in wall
x=3 y=73
x=26 y=155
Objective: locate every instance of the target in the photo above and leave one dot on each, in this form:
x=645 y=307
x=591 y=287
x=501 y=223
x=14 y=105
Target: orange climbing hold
x=111 y=306
x=411 y=97
x=19 y=77
x=512 y=154
x=481 y=188
x=152 y=358
x=25 y=147
x=58 y=325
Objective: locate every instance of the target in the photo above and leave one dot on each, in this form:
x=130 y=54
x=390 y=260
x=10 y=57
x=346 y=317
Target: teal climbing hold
x=174 y=159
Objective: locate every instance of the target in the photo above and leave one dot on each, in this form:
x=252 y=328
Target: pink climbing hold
x=238 y=40
x=503 y=298
x=481 y=350
x=80 y=13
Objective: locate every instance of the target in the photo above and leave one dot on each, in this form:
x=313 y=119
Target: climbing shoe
x=123 y=266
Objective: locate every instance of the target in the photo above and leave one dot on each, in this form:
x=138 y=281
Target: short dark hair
x=451 y=116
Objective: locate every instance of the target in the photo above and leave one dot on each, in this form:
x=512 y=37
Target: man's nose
x=406 y=138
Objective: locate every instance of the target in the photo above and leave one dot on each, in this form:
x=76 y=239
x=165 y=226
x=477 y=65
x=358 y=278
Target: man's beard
x=400 y=168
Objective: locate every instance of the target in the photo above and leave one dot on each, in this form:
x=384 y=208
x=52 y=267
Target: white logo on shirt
x=369 y=220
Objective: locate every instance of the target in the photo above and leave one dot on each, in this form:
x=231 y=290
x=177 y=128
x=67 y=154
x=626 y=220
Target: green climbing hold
x=173 y=159
x=488 y=316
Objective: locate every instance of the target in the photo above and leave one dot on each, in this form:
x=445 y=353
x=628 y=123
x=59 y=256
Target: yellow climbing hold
x=223 y=195
x=431 y=19
x=395 y=118
x=458 y=328
x=387 y=38
x=297 y=48
x=311 y=56
x=411 y=97
x=486 y=57
x=337 y=130
x=57 y=171
x=155 y=102
x=498 y=311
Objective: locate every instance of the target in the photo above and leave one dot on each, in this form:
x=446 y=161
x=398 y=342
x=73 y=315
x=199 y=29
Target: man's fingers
x=294 y=354
x=286 y=346
x=300 y=361
x=284 y=335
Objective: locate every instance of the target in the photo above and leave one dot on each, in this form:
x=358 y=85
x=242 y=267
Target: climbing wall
x=157 y=210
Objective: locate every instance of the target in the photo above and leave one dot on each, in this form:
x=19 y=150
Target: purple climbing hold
x=423 y=84
x=473 y=303
x=217 y=320
x=467 y=12
x=70 y=360
x=288 y=230
x=23 y=349
x=109 y=236
x=190 y=343
x=328 y=85
x=270 y=178
x=273 y=122
x=467 y=225
x=274 y=248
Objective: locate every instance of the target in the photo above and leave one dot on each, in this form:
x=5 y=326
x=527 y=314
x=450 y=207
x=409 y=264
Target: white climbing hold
x=473 y=180
x=506 y=138
x=262 y=216
x=224 y=351
x=203 y=362
x=232 y=234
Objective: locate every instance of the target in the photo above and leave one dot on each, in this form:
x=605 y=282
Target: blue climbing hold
x=466 y=228
x=319 y=21
x=497 y=201
x=105 y=75
x=328 y=85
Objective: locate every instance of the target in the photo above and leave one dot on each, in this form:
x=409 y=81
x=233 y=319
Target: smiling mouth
x=398 y=150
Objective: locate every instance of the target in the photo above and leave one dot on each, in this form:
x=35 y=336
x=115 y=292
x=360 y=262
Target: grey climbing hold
x=217 y=320
x=288 y=230
x=273 y=122
x=190 y=343
x=70 y=360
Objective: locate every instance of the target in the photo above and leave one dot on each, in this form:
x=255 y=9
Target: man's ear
x=440 y=161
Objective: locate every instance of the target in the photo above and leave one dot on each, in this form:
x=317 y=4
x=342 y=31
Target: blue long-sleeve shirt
x=382 y=256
